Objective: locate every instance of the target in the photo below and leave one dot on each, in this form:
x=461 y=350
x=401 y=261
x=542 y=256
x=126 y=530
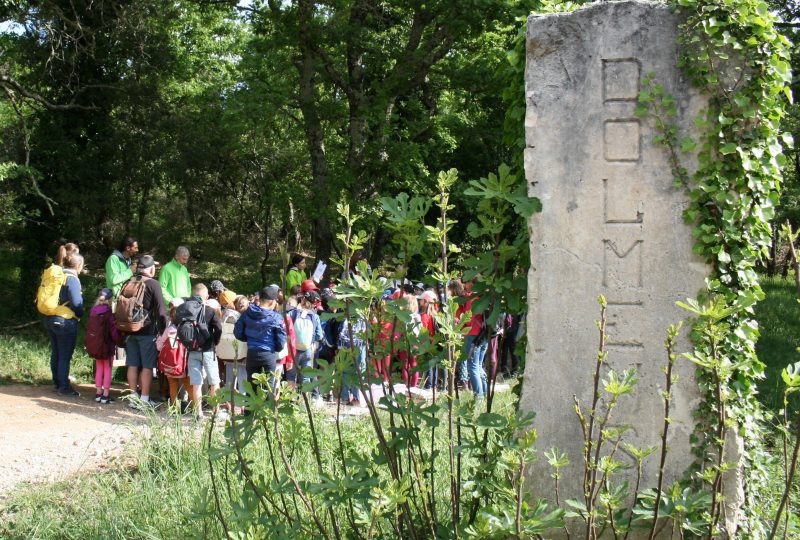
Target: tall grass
x=155 y=494
x=164 y=489
x=778 y=317
x=25 y=358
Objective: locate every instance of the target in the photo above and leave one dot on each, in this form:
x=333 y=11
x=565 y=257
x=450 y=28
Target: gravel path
x=46 y=437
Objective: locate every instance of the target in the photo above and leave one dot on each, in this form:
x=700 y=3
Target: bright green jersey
x=175 y=281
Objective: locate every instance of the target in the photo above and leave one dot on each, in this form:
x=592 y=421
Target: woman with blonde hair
x=63 y=329
x=64 y=251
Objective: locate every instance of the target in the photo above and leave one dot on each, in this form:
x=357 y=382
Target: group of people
x=279 y=332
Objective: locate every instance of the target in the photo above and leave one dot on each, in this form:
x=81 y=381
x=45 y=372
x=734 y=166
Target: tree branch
x=9 y=83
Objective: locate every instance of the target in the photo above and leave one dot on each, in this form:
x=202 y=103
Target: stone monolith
x=612 y=224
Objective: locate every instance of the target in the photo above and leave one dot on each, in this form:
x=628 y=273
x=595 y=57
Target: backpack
x=98 y=341
x=130 y=313
x=192 y=325
x=358 y=329
x=303 y=330
x=327 y=348
x=230 y=348
x=172 y=358
x=53 y=278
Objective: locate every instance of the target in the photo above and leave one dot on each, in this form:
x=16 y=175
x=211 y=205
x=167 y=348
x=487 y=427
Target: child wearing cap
x=262 y=327
x=308 y=335
x=101 y=339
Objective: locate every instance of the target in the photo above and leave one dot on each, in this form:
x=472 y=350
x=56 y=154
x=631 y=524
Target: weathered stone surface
x=612 y=224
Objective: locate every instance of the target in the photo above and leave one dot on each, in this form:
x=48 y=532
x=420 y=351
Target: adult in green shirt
x=174 y=277
x=119 y=268
x=295 y=273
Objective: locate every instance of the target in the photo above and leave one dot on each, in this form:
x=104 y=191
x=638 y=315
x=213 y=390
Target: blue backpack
x=330 y=331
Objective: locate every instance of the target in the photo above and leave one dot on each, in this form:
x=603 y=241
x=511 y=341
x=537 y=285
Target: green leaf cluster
x=734 y=54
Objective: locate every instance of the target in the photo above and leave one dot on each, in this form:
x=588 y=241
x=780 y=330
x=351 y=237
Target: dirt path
x=46 y=437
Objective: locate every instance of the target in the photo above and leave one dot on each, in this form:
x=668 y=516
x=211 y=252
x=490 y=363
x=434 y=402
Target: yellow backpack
x=53 y=278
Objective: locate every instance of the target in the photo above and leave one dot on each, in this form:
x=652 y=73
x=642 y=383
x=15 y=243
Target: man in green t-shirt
x=119 y=268
x=174 y=277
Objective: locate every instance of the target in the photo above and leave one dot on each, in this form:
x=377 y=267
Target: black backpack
x=192 y=325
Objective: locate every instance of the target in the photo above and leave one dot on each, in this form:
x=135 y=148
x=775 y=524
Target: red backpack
x=98 y=341
x=173 y=358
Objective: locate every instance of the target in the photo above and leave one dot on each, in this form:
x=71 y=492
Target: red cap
x=308 y=285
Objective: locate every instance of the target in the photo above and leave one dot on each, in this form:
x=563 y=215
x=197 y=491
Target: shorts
x=200 y=362
x=140 y=351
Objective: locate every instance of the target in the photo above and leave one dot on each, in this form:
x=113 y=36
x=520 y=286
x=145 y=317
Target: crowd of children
x=200 y=336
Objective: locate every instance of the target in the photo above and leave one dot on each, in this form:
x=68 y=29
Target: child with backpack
x=330 y=332
x=308 y=335
x=352 y=339
x=172 y=356
x=101 y=341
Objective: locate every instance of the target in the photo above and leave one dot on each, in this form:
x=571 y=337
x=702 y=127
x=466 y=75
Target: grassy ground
x=165 y=492
x=779 y=321
x=151 y=498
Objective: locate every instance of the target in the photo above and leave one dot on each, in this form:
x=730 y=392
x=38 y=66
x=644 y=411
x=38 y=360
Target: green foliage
x=501 y=226
x=736 y=56
x=443 y=468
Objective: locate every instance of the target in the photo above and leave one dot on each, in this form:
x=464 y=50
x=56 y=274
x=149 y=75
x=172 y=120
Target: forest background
x=236 y=127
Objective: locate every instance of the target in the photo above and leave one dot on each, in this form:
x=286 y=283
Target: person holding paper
x=295 y=272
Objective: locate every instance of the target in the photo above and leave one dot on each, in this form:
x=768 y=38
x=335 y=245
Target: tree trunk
x=293 y=231
x=315 y=137
x=128 y=205
x=267 y=246
x=143 y=202
x=772 y=263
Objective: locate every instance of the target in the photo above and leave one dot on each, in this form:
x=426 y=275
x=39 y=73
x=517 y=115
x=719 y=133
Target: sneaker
x=98 y=397
x=139 y=404
x=69 y=392
x=105 y=400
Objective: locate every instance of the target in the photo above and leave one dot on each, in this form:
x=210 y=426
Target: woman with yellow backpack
x=59 y=299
